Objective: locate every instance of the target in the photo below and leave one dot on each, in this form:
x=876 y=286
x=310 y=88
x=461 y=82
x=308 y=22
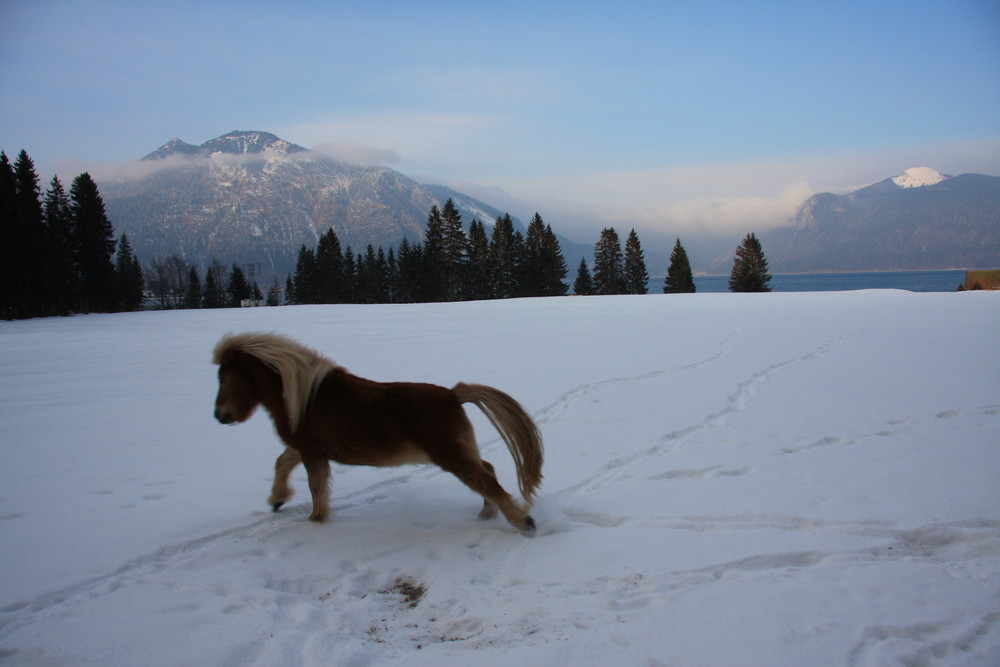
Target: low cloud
x=358 y=154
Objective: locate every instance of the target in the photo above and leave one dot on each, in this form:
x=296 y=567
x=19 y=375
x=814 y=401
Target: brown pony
x=324 y=413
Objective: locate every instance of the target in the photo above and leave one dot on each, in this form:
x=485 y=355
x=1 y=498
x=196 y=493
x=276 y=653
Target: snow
x=730 y=479
x=917 y=177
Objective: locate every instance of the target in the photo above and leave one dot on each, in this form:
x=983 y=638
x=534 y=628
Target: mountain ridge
x=249 y=197
x=946 y=223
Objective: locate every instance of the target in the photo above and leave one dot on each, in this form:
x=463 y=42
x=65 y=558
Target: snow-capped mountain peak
x=918 y=177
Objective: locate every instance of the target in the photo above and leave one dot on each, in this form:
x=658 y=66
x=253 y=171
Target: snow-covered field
x=730 y=479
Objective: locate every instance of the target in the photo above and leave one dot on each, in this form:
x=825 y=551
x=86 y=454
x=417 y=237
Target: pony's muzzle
x=224 y=417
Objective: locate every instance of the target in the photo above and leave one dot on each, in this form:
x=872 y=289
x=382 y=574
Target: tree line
x=618 y=271
x=58 y=254
x=451 y=264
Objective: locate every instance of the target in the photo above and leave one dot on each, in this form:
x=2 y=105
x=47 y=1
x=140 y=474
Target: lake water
x=914 y=281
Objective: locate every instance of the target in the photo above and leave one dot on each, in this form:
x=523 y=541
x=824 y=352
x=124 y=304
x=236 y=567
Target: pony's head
x=254 y=366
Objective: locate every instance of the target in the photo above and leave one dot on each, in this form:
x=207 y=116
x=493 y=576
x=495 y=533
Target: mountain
x=919 y=220
x=253 y=198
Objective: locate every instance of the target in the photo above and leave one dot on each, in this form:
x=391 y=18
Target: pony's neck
x=271 y=395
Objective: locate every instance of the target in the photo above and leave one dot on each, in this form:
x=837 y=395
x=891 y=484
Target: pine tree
x=33 y=282
x=215 y=281
x=584 y=284
x=478 y=283
x=532 y=274
x=59 y=220
x=94 y=246
x=237 y=287
x=636 y=275
x=391 y=277
x=329 y=268
x=10 y=244
x=306 y=277
x=350 y=276
x=504 y=258
x=609 y=271
x=193 y=298
x=544 y=268
x=129 y=277
x=409 y=263
x=455 y=248
x=432 y=276
x=750 y=272
x=679 y=276
x=554 y=265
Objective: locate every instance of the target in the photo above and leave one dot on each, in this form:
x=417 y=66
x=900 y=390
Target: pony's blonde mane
x=300 y=368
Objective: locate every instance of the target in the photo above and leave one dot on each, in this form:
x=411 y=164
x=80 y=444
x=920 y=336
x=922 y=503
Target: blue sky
x=671 y=117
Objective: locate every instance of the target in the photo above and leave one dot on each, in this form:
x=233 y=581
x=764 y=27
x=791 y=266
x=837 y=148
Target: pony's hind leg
x=283 y=466
x=489 y=508
x=480 y=477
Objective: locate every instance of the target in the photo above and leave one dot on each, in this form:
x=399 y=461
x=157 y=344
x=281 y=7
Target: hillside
x=920 y=220
x=250 y=197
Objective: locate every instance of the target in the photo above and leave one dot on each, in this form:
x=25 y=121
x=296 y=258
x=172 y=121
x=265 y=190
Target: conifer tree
x=554 y=265
x=215 y=281
x=584 y=284
x=36 y=288
x=59 y=220
x=544 y=267
x=9 y=243
x=636 y=275
x=504 y=258
x=94 y=245
x=237 y=287
x=609 y=270
x=274 y=293
x=193 y=298
x=391 y=276
x=750 y=272
x=306 y=279
x=350 y=276
x=679 y=276
x=382 y=284
x=329 y=269
x=532 y=275
x=129 y=277
x=432 y=278
x=478 y=283
x=409 y=263
x=455 y=248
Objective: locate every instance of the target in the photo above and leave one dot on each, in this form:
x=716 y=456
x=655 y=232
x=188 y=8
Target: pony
x=323 y=413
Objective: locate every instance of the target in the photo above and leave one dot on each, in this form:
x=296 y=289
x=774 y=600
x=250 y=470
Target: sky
x=670 y=117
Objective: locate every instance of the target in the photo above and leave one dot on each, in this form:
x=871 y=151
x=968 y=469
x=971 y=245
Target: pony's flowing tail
x=516 y=428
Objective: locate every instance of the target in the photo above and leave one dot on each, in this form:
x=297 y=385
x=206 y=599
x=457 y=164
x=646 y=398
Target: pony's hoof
x=276 y=506
x=528 y=528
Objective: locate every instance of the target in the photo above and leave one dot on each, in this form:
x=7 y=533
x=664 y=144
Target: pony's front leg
x=318 y=470
x=283 y=466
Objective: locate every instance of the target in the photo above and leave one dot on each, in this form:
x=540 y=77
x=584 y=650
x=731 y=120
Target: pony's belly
x=378 y=454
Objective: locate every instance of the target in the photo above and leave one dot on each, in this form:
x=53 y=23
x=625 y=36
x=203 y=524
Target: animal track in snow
x=566 y=400
x=711 y=471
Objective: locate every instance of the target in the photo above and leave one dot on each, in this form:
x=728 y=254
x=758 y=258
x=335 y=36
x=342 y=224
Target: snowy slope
x=773 y=479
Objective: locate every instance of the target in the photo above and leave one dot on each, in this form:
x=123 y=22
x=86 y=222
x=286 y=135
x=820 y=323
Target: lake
x=914 y=281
